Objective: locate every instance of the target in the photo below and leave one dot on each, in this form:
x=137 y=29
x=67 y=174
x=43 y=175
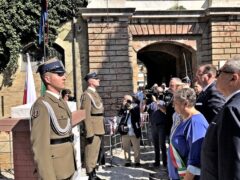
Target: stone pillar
x=108 y=41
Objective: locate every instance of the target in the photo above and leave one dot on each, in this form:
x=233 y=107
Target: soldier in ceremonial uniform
x=93 y=124
x=51 y=128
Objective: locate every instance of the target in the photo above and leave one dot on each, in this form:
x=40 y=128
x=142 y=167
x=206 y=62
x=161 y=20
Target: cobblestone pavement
x=115 y=169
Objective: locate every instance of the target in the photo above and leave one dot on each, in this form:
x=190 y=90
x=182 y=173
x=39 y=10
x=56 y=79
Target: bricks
x=230 y=50
x=224 y=40
x=22 y=155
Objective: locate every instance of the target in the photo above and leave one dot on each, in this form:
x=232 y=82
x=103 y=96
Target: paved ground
x=115 y=169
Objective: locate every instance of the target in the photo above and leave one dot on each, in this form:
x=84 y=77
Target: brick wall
x=24 y=168
x=109 y=56
x=225 y=38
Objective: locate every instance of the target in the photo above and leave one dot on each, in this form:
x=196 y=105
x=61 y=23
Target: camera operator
x=129 y=128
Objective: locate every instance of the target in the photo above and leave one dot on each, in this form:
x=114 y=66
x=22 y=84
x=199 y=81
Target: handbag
x=122 y=127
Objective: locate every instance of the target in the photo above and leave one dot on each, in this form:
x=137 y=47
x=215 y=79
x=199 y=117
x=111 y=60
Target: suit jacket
x=135 y=120
x=94 y=122
x=210 y=102
x=49 y=158
x=220 y=151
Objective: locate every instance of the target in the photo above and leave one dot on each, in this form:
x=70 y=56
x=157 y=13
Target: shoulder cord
x=54 y=122
x=94 y=104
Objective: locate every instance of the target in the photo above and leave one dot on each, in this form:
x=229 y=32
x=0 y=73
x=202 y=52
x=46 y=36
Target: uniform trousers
x=126 y=142
x=91 y=153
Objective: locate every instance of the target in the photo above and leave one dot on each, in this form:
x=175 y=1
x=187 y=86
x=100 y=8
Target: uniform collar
x=54 y=94
x=92 y=89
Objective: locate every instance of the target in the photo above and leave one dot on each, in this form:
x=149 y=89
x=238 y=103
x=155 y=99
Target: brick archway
x=167 y=59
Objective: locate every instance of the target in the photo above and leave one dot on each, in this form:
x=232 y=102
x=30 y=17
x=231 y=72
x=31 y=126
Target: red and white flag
x=29 y=90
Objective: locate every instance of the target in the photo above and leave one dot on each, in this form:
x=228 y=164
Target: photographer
x=129 y=128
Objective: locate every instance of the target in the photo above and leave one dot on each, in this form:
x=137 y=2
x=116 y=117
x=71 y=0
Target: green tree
x=19 y=24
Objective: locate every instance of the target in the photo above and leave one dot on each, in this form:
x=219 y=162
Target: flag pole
x=43 y=34
x=185 y=63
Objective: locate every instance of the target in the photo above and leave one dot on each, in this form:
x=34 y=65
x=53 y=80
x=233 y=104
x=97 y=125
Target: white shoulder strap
x=94 y=103
x=54 y=122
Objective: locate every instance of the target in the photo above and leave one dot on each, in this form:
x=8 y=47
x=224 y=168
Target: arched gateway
x=169 y=37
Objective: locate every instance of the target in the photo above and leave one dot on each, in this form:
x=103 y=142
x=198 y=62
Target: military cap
x=91 y=75
x=52 y=65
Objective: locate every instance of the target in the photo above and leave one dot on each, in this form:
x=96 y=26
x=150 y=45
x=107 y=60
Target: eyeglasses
x=222 y=71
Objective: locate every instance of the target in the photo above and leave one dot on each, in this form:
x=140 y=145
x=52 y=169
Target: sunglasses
x=60 y=74
x=222 y=71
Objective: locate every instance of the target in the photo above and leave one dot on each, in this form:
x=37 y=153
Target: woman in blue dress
x=186 y=137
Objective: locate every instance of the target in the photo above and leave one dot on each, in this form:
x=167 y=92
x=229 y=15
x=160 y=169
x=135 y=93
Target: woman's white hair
x=186 y=94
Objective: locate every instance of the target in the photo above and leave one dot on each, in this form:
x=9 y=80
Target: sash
x=177 y=161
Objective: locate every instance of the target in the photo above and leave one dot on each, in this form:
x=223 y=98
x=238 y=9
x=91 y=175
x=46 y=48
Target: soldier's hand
x=90 y=140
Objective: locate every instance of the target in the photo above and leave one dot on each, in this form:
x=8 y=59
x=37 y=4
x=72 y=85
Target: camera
x=125 y=129
x=129 y=101
x=168 y=98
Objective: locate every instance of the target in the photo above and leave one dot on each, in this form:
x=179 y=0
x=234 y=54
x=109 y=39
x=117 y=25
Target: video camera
x=168 y=97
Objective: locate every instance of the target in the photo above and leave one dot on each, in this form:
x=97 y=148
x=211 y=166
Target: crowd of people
x=195 y=119
x=199 y=120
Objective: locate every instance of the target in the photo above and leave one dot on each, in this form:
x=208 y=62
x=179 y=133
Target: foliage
x=19 y=24
x=177 y=7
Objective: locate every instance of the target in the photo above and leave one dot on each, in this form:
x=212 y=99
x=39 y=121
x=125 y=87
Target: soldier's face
x=56 y=82
x=94 y=82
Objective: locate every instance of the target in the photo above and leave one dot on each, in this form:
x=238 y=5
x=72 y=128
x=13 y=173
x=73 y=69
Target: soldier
x=51 y=128
x=93 y=124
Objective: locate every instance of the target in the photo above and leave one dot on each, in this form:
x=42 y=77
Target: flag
x=29 y=90
x=43 y=89
x=43 y=28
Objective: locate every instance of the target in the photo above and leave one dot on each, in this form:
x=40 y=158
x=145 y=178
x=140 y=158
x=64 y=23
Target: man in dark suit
x=220 y=159
x=210 y=100
x=93 y=123
x=51 y=127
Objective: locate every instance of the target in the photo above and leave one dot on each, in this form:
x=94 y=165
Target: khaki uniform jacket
x=53 y=161
x=94 y=125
